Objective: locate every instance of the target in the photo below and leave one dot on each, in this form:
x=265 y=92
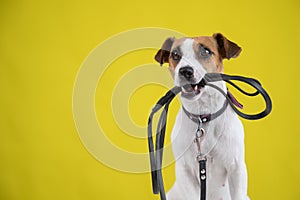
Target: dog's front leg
x=237 y=179
x=186 y=186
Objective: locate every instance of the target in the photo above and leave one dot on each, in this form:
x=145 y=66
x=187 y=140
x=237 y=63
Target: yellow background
x=42 y=45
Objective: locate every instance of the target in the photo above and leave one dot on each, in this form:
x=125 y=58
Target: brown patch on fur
x=176 y=43
x=162 y=56
x=214 y=63
x=227 y=49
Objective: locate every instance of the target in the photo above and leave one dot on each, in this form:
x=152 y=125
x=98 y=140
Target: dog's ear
x=162 y=56
x=226 y=48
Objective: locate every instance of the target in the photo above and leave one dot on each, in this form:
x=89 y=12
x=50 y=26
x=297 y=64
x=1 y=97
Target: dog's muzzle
x=190 y=87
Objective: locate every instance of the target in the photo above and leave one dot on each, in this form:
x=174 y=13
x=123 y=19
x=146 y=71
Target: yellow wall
x=43 y=45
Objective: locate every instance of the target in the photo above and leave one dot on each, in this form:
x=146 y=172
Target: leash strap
x=156 y=154
x=201 y=158
x=213 y=77
x=202 y=174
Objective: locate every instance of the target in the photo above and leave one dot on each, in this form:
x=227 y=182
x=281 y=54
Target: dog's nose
x=187 y=72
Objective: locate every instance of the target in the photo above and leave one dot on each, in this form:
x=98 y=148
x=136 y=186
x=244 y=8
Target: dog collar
x=209 y=117
x=204 y=118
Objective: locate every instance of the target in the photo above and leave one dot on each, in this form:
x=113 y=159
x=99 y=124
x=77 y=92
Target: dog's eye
x=175 y=55
x=205 y=52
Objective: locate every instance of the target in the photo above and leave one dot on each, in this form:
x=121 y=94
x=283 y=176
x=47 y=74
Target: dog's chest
x=218 y=143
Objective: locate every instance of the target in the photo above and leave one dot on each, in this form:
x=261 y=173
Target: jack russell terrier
x=222 y=141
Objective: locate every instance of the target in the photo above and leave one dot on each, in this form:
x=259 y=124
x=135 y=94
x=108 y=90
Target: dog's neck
x=209 y=101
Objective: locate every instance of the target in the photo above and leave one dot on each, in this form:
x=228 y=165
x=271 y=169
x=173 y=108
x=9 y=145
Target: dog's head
x=191 y=58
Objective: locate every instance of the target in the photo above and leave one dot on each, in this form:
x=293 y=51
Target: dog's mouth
x=192 y=90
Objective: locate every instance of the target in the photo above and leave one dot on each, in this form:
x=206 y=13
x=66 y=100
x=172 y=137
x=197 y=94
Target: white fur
x=189 y=59
x=223 y=143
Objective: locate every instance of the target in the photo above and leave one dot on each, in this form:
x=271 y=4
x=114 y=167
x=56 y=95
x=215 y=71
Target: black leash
x=202 y=174
x=213 y=77
x=156 y=154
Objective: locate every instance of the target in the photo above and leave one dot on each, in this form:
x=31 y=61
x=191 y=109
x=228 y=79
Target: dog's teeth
x=196 y=88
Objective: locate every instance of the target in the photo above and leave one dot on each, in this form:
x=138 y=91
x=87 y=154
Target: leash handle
x=213 y=77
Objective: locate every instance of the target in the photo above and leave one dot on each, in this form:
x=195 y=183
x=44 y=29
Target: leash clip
x=199 y=136
x=199 y=130
x=201 y=157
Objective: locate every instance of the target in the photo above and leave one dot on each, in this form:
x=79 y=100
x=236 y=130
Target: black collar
x=204 y=118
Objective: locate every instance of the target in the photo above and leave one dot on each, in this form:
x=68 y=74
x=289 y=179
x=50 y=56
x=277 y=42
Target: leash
x=213 y=77
x=156 y=154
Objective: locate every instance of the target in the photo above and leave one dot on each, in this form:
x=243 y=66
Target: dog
x=222 y=143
